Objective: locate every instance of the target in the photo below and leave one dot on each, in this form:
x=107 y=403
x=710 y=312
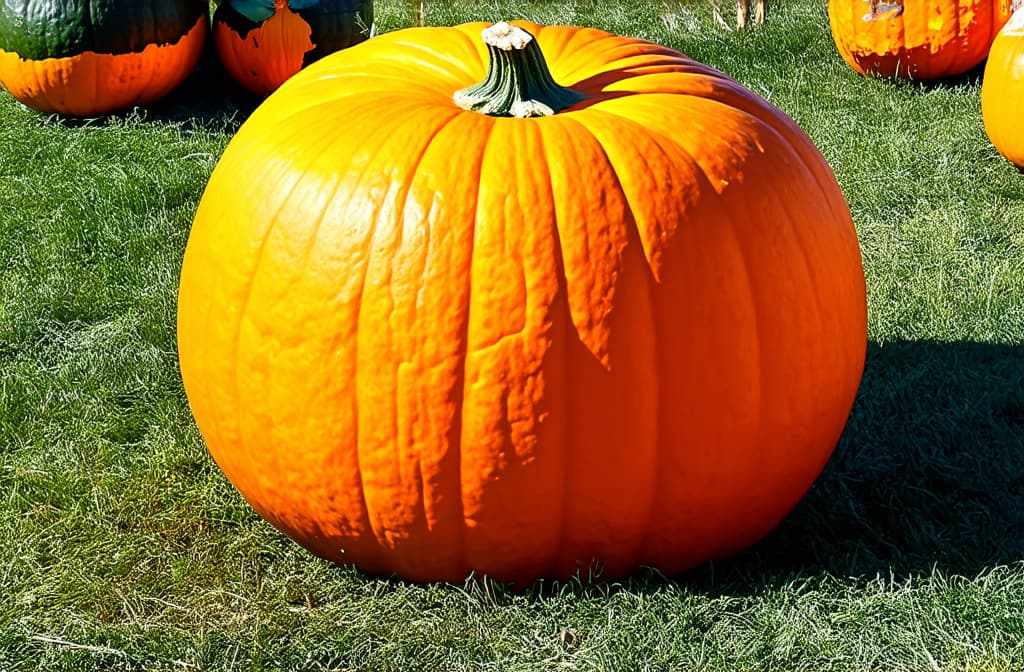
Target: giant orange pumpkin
x=1002 y=90
x=264 y=42
x=426 y=336
x=920 y=39
x=79 y=57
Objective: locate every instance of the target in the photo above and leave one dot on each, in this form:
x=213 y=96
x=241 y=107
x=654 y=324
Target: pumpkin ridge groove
x=454 y=66
x=758 y=337
x=461 y=402
x=806 y=163
x=663 y=138
x=403 y=198
x=799 y=240
x=634 y=233
x=370 y=530
x=356 y=436
x=317 y=226
x=655 y=135
x=559 y=270
x=651 y=279
x=246 y=299
x=794 y=239
x=633 y=237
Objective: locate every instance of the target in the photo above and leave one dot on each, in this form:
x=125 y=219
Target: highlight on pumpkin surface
x=521 y=347
x=262 y=43
x=118 y=55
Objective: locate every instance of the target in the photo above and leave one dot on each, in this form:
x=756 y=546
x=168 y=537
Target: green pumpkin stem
x=518 y=82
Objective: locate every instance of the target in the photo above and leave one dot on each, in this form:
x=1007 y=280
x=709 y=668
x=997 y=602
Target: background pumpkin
x=922 y=39
x=78 y=57
x=264 y=42
x=427 y=340
x=1002 y=90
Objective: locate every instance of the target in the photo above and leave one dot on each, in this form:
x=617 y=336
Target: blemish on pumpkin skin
x=883 y=11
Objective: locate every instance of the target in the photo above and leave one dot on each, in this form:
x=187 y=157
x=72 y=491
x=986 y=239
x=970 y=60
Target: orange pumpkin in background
x=919 y=39
x=521 y=328
x=82 y=58
x=264 y=42
x=1002 y=91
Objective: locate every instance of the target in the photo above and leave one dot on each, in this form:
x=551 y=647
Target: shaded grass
x=123 y=547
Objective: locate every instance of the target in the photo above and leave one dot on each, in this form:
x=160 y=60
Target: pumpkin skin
x=262 y=43
x=82 y=58
x=430 y=341
x=1002 y=90
x=919 y=39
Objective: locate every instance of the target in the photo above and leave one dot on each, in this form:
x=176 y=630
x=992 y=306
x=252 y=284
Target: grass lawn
x=123 y=547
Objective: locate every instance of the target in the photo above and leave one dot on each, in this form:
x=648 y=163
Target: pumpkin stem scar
x=518 y=82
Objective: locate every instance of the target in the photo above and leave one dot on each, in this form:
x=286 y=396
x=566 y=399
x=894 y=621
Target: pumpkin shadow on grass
x=971 y=77
x=208 y=98
x=929 y=474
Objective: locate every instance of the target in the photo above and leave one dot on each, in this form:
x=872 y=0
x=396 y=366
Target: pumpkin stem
x=518 y=82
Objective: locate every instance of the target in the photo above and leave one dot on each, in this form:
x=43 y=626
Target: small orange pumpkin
x=1002 y=90
x=920 y=39
x=264 y=42
x=82 y=58
x=520 y=328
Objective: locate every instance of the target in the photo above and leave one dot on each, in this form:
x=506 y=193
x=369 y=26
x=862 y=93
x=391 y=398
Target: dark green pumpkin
x=85 y=57
x=38 y=29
